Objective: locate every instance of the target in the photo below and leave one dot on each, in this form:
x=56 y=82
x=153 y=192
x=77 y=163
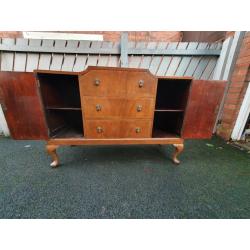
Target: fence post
x=222 y=61
x=124 y=49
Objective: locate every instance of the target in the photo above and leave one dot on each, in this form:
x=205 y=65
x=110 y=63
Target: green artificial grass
x=212 y=181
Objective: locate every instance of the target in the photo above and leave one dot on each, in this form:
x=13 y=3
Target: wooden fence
x=162 y=59
x=199 y=60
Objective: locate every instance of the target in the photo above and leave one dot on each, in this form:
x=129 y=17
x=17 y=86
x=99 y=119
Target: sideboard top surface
x=111 y=69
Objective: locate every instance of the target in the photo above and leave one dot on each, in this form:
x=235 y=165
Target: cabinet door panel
x=22 y=106
x=202 y=108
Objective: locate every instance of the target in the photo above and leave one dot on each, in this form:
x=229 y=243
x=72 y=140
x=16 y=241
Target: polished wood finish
x=114 y=141
x=113 y=108
x=22 y=106
x=118 y=128
x=102 y=107
x=51 y=150
x=202 y=108
x=108 y=106
x=117 y=103
x=102 y=128
x=178 y=149
x=140 y=84
x=139 y=108
x=136 y=128
x=103 y=83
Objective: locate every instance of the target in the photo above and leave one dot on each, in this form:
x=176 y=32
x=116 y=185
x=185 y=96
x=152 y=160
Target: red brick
x=232 y=101
x=231 y=96
x=244 y=52
x=247 y=34
x=224 y=134
x=235 y=84
x=238 y=78
x=229 y=113
x=246 y=39
x=245 y=44
x=234 y=90
x=230 y=33
x=228 y=118
x=244 y=62
x=11 y=34
x=240 y=71
x=136 y=36
x=229 y=107
x=226 y=125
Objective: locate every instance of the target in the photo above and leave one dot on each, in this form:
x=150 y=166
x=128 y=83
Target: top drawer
x=103 y=83
x=141 y=84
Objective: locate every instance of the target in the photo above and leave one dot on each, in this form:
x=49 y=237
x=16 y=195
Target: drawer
x=103 y=83
x=117 y=129
x=136 y=129
x=141 y=84
x=102 y=107
x=139 y=108
x=102 y=129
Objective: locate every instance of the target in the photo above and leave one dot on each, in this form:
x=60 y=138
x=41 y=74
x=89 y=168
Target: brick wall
x=239 y=82
x=150 y=36
x=11 y=34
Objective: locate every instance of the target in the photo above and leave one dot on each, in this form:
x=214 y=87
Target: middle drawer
x=103 y=107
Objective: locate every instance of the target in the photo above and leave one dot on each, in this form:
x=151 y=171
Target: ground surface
x=213 y=181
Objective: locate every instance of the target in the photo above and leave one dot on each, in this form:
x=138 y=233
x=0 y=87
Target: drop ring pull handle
x=98 y=107
x=139 y=108
x=141 y=83
x=138 y=130
x=99 y=129
x=97 y=82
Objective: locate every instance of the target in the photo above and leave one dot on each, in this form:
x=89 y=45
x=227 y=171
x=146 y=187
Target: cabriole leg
x=51 y=150
x=178 y=149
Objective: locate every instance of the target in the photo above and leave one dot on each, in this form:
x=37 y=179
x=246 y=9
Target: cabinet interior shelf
x=158 y=133
x=63 y=108
x=169 y=110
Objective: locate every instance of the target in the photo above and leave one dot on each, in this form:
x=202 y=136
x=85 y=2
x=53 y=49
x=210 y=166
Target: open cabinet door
x=202 y=108
x=21 y=105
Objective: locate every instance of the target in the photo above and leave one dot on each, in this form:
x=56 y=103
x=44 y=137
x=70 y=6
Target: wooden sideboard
x=104 y=105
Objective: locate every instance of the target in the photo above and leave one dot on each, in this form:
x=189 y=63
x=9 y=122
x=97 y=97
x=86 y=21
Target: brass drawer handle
x=138 y=130
x=98 y=107
x=99 y=129
x=139 y=108
x=97 y=82
x=141 y=83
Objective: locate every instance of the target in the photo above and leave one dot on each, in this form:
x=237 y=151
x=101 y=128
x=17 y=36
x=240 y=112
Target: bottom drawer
x=118 y=128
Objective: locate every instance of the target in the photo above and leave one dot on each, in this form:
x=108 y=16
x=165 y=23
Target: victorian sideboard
x=108 y=106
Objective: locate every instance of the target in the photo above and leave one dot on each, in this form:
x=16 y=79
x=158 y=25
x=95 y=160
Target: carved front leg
x=178 y=149
x=51 y=150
